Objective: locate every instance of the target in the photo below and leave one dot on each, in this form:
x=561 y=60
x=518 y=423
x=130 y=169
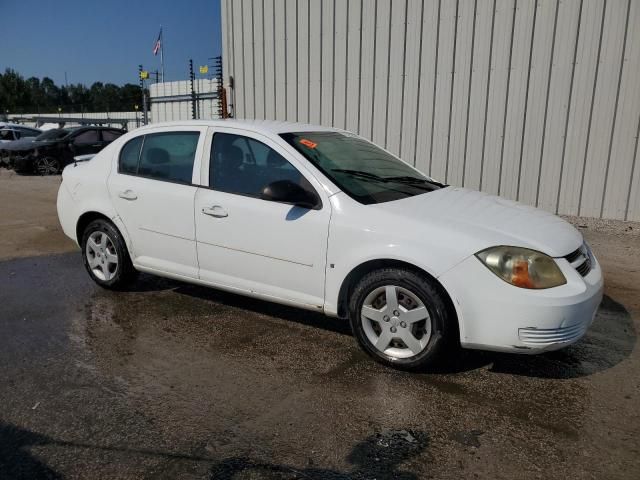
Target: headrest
x=274 y=159
x=157 y=156
x=231 y=157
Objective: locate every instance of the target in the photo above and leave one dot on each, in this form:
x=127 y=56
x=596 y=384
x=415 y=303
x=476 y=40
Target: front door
x=244 y=242
x=153 y=192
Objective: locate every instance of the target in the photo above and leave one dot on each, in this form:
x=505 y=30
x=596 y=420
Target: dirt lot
x=176 y=381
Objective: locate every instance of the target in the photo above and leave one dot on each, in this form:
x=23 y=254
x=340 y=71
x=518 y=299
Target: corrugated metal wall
x=172 y=100
x=534 y=100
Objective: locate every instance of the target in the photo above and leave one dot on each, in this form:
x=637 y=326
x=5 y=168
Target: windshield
x=362 y=170
x=54 y=134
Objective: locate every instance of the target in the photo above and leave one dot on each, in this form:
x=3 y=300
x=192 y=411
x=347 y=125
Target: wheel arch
x=376 y=264
x=87 y=217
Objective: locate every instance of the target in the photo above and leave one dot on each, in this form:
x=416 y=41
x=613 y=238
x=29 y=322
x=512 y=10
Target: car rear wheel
x=105 y=255
x=401 y=319
x=47 y=166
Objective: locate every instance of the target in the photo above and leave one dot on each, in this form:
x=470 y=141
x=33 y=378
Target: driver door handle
x=215 y=211
x=128 y=195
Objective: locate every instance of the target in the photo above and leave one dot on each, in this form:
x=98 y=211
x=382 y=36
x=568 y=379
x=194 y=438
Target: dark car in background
x=50 y=152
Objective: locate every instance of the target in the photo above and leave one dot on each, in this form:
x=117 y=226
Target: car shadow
x=378 y=456
x=609 y=341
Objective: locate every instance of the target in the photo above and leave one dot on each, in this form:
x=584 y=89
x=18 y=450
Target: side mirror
x=286 y=191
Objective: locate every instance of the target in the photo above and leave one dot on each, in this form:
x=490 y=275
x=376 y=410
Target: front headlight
x=522 y=267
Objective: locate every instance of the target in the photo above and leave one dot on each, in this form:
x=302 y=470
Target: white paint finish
x=437 y=232
x=604 y=109
x=626 y=128
x=160 y=240
x=558 y=105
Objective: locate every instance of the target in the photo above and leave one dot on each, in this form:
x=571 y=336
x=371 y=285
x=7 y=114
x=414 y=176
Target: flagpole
x=162 y=52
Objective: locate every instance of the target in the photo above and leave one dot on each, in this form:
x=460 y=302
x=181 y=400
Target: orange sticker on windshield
x=308 y=143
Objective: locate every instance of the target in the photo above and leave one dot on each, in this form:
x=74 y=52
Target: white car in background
x=322 y=219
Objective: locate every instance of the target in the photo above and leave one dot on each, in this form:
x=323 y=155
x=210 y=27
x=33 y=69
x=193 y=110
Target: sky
x=105 y=41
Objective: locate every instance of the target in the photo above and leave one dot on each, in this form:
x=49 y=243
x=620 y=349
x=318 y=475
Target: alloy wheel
x=102 y=255
x=396 y=321
x=47 y=166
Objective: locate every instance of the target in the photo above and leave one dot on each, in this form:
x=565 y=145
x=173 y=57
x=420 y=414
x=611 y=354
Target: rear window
x=169 y=156
x=129 y=156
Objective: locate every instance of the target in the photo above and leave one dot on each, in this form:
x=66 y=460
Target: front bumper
x=22 y=163
x=495 y=315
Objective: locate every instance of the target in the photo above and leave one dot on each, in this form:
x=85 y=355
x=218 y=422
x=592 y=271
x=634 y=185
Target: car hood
x=482 y=220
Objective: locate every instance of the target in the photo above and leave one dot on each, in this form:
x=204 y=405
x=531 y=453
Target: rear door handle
x=215 y=211
x=128 y=195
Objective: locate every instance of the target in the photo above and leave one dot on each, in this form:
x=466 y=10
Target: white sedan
x=322 y=219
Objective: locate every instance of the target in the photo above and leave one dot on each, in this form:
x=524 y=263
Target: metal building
x=537 y=101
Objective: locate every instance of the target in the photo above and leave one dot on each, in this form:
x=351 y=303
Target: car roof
x=15 y=125
x=259 y=126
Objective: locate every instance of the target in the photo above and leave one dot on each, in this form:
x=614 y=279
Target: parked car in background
x=325 y=220
x=50 y=152
x=13 y=131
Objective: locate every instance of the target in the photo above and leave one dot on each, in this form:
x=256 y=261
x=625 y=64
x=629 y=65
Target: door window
x=129 y=156
x=245 y=166
x=87 y=137
x=169 y=156
x=110 y=135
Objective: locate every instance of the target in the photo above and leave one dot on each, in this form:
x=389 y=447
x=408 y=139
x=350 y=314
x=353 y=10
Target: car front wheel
x=105 y=255
x=401 y=319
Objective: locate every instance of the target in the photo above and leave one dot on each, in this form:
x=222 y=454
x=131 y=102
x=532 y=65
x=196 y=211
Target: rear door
x=259 y=246
x=153 y=191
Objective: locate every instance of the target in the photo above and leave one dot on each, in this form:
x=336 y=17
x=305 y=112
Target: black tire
x=444 y=328
x=124 y=273
x=47 y=165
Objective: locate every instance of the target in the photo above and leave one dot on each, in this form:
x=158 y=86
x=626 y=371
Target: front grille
x=573 y=256
x=580 y=260
x=544 y=336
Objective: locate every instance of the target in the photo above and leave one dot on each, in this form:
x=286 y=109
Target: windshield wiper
x=360 y=173
x=414 y=180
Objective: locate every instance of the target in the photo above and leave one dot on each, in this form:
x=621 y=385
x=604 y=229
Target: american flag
x=158 y=45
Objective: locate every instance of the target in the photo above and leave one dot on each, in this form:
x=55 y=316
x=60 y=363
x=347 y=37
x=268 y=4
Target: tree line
x=34 y=95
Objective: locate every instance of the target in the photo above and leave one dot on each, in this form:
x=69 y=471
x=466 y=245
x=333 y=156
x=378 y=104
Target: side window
x=129 y=156
x=245 y=166
x=86 y=137
x=110 y=135
x=6 y=135
x=169 y=156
